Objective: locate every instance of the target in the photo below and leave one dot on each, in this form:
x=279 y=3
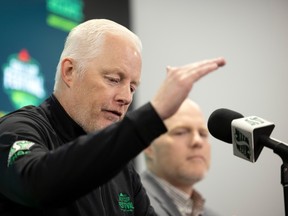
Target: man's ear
x=67 y=71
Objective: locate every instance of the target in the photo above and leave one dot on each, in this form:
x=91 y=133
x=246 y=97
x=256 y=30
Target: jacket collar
x=66 y=128
x=158 y=193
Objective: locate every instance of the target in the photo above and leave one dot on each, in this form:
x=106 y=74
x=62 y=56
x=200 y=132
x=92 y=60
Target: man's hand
x=179 y=82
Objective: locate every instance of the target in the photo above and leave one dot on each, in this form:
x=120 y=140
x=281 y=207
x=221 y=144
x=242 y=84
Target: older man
x=70 y=155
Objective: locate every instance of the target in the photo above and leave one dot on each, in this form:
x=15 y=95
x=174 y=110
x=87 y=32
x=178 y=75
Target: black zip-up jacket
x=50 y=167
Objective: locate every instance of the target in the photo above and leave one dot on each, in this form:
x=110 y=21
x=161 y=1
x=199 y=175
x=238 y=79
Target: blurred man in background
x=176 y=161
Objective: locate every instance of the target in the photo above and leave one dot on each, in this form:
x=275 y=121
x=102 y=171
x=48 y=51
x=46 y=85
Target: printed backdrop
x=33 y=33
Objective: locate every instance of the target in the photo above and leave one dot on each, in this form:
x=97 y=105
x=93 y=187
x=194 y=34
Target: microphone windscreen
x=219 y=124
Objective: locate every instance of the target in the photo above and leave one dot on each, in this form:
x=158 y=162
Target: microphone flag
x=245 y=136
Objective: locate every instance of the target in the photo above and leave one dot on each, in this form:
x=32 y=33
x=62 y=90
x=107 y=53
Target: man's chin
x=99 y=125
x=107 y=123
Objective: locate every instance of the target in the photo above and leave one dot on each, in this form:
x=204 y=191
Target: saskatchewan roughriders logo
x=125 y=203
x=242 y=144
x=18 y=149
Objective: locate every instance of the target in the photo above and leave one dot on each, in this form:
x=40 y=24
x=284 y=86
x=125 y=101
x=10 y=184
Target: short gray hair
x=84 y=42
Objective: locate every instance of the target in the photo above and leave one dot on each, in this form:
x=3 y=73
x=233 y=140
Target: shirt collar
x=187 y=204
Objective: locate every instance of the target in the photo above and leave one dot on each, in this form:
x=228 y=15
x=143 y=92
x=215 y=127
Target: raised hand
x=179 y=82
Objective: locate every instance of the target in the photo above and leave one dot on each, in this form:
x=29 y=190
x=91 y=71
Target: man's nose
x=196 y=140
x=124 y=95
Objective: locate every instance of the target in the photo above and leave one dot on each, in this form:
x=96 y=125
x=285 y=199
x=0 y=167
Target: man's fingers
x=220 y=61
x=179 y=82
x=201 y=71
x=197 y=70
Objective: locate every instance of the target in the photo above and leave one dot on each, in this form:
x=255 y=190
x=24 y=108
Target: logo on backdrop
x=23 y=81
x=65 y=14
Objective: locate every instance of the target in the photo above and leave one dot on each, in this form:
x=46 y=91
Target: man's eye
x=114 y=80
x=204 y=134
x=132 y=89
x=179 y=132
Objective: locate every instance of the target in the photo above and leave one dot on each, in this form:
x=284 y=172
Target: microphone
x=247 y=134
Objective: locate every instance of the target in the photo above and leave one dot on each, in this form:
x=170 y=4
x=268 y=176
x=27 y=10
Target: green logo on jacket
x=125 y=203
x=18 y=149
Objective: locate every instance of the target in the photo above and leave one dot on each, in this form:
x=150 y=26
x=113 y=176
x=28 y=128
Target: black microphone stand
x=281 y=150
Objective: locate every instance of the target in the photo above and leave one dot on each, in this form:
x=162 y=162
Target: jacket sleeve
x=32 y=175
